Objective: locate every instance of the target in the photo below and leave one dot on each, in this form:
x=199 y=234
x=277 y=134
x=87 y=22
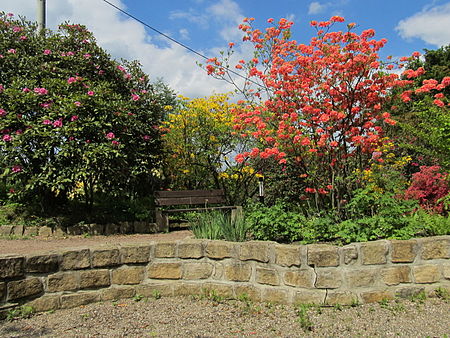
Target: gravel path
x=197 y=317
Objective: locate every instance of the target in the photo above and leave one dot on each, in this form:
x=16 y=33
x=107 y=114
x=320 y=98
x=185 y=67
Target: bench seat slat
x=189 y=193
x=190 y=200
x=198 y=209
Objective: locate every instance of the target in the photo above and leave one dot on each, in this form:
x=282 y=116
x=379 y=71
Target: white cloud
x=126 y=38
x=316 y=8
x=431 y=25
x=184 y=33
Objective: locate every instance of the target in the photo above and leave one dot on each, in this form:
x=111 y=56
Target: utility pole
x=41 y=15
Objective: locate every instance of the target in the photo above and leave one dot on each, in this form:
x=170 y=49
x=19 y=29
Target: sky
x=208 y=26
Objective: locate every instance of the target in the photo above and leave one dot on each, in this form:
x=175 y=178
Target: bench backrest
x=189 y=197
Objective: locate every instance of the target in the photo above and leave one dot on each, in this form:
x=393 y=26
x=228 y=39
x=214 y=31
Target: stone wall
x=136 y=227
x=265 y=271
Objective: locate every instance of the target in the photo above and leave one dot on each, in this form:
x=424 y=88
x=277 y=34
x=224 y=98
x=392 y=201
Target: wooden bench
x=190 y=198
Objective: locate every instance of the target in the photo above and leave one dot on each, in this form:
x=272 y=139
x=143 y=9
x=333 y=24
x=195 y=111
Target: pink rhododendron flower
x=90 y=93
x=1 y=88
x=135 y=97
x=10 y=15
x=2 y=112
x=110 y=136
x=23 y=38
x=47 y=51
x=46 y=122
x=57 y=123
x=16 y=168
x=77 y=103
x=116 y=143
x=7 y=138
x=146 y=137
x=17 y=29
x=71 y=80
x=12 y=51
x=19 y=132
x=70 y=53
x=74 y=118
x=46 y=104
x=87 y=56
x=121 y=68
x=26 y=90
x=41 y=91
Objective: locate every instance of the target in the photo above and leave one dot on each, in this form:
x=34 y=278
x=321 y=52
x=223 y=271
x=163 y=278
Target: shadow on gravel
x=18 y=331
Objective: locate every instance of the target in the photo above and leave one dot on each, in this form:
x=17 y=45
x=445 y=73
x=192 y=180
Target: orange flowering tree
x=320 y=108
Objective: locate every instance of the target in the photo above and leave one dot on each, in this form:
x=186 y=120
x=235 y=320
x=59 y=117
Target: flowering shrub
x=429 y=186
x=321 y=107
x=200 y=143
x=70 y=114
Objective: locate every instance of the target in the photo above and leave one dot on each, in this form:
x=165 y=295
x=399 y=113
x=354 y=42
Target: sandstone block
x=75 y=259
x=126 y=227
x=349 y=254
x=249 y=291
x=150 y=289
x=141 y=227
x=128 y=275
x=96 y=229
x=2 y=291
x=218 y=271
x=328 y=279
x=31 y=231
x=267 y=276
x=105 y=257
x=11 y=266
x=6 y=230
x=18 y=230
x=408 y=292
x=300 y=278
x=340 y=298
x=117 y=292
x=221 y=290
x=220 y=249
x=197 y=270
x=426 y=273
x=62 y=281
x=79 y=298
x=433 y=248
x=24 y=288
x=310 y=297
x=42 y=263
x=361 y=277
x=374 y=252
x=404 y=251
x=59 y=232
x=287 y=255
x=396 y=275
x=446 y=271
x=164 y=271
x=45 y=303
x=254 y=250
x=135 y=253
x=271 y=295
x=94 y=278
x=111 y=229
x=165 y=249
x=376 y=296
x=321 y=255
x=45 y=231
x=192 y=248
x=188 y=289
x=238 y=272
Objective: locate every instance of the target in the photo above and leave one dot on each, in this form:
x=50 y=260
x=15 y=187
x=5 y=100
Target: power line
x=175 y=41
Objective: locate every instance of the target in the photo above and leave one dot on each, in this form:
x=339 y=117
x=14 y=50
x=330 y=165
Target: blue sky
x=208 y=26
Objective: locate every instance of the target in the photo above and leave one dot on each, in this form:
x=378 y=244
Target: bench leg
x=162 y=221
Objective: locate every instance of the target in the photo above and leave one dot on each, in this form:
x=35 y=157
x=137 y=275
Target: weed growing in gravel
x=303 y=317
x=24 y=311
x=442 y=293
x=384 y=303
x=156 y=294
x=419 y=297
x=138 y=297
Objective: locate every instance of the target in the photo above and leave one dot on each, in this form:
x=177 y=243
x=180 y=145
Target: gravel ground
x=197 y=317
